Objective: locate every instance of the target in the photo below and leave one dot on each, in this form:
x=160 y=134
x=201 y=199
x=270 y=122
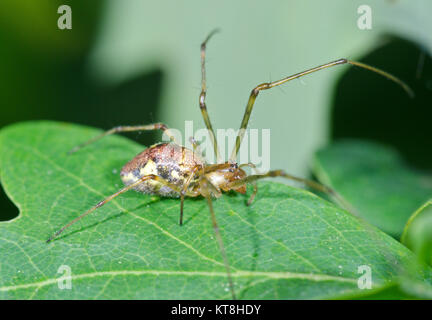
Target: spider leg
x=269 y=85
x=202 y=96
x=149 y=127
x=205 y=187
x=183 y=192
x=195 y=146
x=312 y=184
x=111 y=197
x=254 y=193
x=217 y=166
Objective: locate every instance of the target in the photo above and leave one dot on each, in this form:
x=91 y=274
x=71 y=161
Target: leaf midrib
x=236 y=274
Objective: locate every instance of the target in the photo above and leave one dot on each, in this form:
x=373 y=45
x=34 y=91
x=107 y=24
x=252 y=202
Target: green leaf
x=417 y=234
x=375 y=180
x=402 y=289
x=288 y=244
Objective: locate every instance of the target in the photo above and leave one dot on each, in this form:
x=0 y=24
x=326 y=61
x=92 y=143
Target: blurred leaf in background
x=389 y=179
x=367 y=107
x=417 y=234
x=375 y=180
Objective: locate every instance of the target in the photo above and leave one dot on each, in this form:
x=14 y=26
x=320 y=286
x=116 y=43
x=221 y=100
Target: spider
x=171 y=170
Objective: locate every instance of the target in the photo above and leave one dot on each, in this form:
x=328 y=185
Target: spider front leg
x=269 y=85
x=206 y=189
x=312 y=184
x=254 y=193
x=202 y=97
x=111 y=197
x=148 y=127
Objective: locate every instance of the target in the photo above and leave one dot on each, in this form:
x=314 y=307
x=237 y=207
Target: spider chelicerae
x=171 y=170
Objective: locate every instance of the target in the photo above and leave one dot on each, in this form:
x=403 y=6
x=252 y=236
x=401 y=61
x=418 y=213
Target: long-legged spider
x=171 y=170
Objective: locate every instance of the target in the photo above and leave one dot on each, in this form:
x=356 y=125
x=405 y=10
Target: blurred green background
x=137 y=62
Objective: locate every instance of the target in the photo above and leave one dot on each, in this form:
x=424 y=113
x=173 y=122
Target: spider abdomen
x=169 y=161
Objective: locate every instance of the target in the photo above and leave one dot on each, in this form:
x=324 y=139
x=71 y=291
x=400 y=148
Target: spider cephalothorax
x=171 y=170
x=225 y=176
